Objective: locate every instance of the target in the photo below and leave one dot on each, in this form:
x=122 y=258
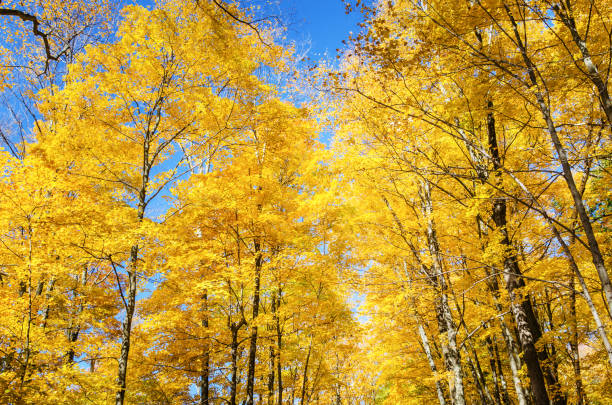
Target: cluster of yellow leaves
x=416 y=96
x=99 y=270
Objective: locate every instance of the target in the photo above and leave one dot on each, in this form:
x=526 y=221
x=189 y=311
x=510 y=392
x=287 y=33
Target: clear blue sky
x=323 y=22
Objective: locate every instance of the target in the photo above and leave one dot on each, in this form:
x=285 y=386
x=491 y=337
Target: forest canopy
x=178 y=226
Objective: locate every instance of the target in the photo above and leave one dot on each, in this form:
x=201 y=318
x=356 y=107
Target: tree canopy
x=176 y=227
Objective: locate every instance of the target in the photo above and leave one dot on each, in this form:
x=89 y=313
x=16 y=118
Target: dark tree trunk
x=205 y=376
x=279 y=345
x=502 y=379
x=126 y=329
x=493 y=367
x=234 y=359
x=272 y=355
x=305 y=377
x=73 y=335
x=130 y=302
x=553 y=364
x=499 y=382
x=48 y=307
x=73 y=330
x=529 y=331
x=478 y=383
x=492 y=280
x=253 y=340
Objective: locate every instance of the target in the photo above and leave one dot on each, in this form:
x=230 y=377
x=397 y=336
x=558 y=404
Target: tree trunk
x=553 y=363
x=279 y=346
x=205 y=372
x=492 y=282
x=499 y=383
x=574 y=354
x=73 y=330
x=442 y=325
x=478 y=383
x=432 y=364
x=478 y=374
x=253 y=343
x=272 y=355
x=126 y=329
x=305 y=377
x=130 y=302
x=585 y=292
x=73 y=335
x=522 y=310
x=442 y=307
x=474 y=362
x=48 y=307
x=493 y=367
x=502 y=379
x=573 y=344
x=514 y=361
x=234 y=360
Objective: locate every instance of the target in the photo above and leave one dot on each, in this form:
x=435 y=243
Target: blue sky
x=322 y=22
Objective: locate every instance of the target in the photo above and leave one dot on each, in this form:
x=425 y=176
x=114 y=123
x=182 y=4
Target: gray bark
x=444 y=311
x=514 y=361
x=432 y=364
